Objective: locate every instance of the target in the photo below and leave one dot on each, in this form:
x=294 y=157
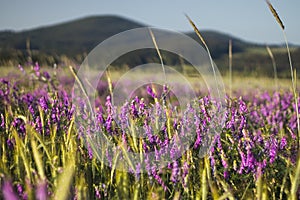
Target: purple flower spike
x=151 y=92
x=36 y=68
x=226 y=174
x=175 y=172
x=97 y=193
x=20 y=189
x=46 y=75
x=21 y=68
x=43 y=103
x=283 y=143
x=273 y=150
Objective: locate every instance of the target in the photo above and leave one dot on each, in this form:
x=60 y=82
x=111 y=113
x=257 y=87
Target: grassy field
x=65 y=138
x=44 y=153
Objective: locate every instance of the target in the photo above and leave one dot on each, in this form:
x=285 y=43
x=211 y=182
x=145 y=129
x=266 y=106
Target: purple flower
x=283 y=142
x=251 y=162
x=41 y=191
x=31 y=110
x=223 y=160
x=226 y=174
x=21 y=68
x=124 y=140
x=10 y=143
x=259 y=170
x=212 y=159
x=133 y=107
x=151 y=92
x=272 y=146
x=157 y=154
x=138 y=170
x=198 y=132
x=36 y=69
x=8 y=192
x=185 y=169
x=174 y=152
x=230 y=124
x=110 y=113
x=242 y=106
x=19 y=189
x=43 y=103
x=108 y=157
x=175 y=172
x=19 y=124
x=90 y=151
x=97 y=193
x=148 y=165
x=158 y=178
x=46 y=75
x=124 y=116
x=243 y=163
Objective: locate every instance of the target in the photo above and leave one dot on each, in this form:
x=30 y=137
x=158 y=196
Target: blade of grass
x=295 y=181
x=284 y=181
x=69 y=130
x=37 y=159
x=245 y=191
x=212 y=186
x=21 y=150
x=40 y=140
x=65 y=178
x=259 y=188
x=64 y=182
x=228 y=193
x=204 y=184
x=113 y=167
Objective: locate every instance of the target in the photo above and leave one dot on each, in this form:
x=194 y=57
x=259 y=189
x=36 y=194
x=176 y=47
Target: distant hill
x=74 y=39
x=68 y=38
x=82 y=35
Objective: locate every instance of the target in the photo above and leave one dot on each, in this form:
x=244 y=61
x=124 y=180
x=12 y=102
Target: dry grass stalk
x=296 y=180
x=207 y=49
x=275 y=14
x=230 y=67
x=274 y=65
x=158 y=52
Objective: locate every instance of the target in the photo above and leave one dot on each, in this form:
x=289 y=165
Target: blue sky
x=247 y=19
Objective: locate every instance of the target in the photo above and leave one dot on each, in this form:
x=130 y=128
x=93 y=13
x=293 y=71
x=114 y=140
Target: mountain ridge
x=82 y=34
x=74 y=39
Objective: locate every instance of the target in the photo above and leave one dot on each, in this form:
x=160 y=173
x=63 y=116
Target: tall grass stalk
x=110 y=86
x=204 y=183
x=230 y=66
x=274 y=66
x=81 y=87
x=207 y=49
x=295 y=181
x=158 y=52
x=290 y=62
